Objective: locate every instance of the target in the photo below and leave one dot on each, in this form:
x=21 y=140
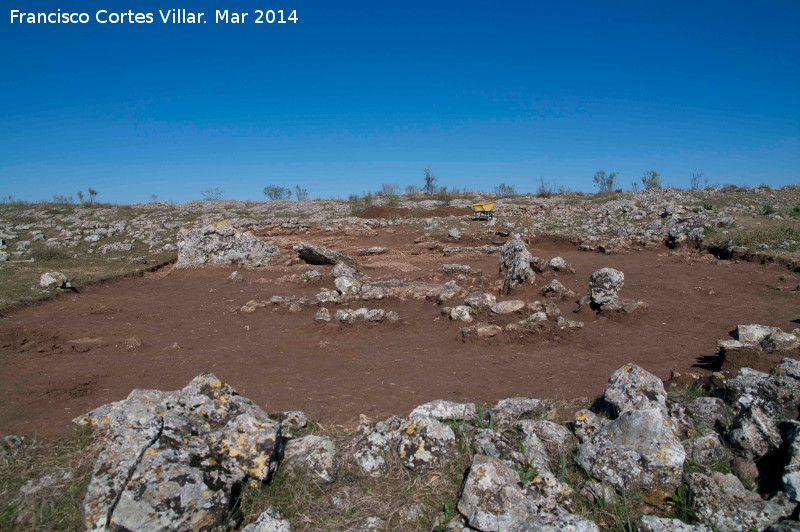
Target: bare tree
x=300 y=194
x=694 y=183
x=92 y=195
x=430 y=181
x=212 y=194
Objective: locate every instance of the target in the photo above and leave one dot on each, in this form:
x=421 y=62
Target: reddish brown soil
x=399 y=212
x=65 y=356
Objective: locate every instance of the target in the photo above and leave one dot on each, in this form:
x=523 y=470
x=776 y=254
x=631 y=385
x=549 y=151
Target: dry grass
x=57 y=505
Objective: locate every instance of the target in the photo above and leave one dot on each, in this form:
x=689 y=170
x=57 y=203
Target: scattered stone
x=374 y=250
x=425 y=443
x=557 y=289
x=461 y=313
x=443 y=410
x=53 y=280
x=780 y=341
x=791 y=471
x=478 y=299
x=508 y=411
x=374 y=442
x=632 y=388
x=604 y=285
x=137 y=260
x=750 y=335
x=705 y=450
x=491 y=499
x=556 y=438
x=221 y=244
x=455 y=268
x=319 y=255
x=323 y=314
x=329 y=296
x=9 y=443
x=560 y=265
x=721 y=501
x=310 y=276
x=508 y=307
x=454 y=233
x=235 y=276
x=311 y=456
x=564 y=323
x=707 y=411
x=271 y=520
x=652 y=523
x=753 y=433
x=347 y=286
x=539 y=265
x=515 y=260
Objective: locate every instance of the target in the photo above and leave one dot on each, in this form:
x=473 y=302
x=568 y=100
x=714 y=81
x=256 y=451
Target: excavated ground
x=79 y=351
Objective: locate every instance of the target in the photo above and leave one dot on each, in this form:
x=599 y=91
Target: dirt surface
x=79 y=351
x=401 y=212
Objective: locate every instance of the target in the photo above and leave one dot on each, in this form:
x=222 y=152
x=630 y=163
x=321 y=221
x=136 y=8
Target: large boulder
x=53 y=280
x=639 y=449
x=444 y=410
x=515 y=259
x=221 y=243
x=170 y=459
x=319 y=255
x=791 y=471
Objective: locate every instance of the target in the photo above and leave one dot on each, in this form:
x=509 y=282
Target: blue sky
x=357 y=94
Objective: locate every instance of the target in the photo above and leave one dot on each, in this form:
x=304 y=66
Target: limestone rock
x=632 y=388
x=508 y=307
x=586 y=424
x=461 y=313
x=560 y=265
x=170 y=459
x=478 y=299
x=374 y=442
x=721 y=501
x=271 y=520
x=221 y=244
x=319 y=255
x=489 y=442
x=705 y=450
x=508 y=411
x=777 y=395
x=791 y=471
x=780 y=341
x=604 y=285
x=707 y=411
x=443 y=410
x=557 y=439
x=558 y=290
x=753 y=334
x=424 y=443
x=53 y=280
x=652 y=523
x=323 y=314
x=491 y=499
x=558 y=520
x=639 y=449
x=311 y=456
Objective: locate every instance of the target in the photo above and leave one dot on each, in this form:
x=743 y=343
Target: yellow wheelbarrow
x=482 y=210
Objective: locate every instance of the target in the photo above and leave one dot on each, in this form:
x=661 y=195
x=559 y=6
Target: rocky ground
x=356 y=316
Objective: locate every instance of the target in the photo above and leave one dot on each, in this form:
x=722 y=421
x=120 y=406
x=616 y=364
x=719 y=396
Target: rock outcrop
x=221 y=243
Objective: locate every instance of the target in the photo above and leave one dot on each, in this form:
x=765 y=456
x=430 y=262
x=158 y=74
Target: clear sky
x=356 y=94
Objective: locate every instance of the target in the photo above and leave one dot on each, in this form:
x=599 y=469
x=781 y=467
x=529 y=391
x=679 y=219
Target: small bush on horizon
x=300 y=194
x=412 y=189
x=275 y=192
x=605 y=183
x=61 y=198
x=650 y=180
x=209 y=194
x=444 y=195
x=359 y=203
x=545 y=189
x=505 y=190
